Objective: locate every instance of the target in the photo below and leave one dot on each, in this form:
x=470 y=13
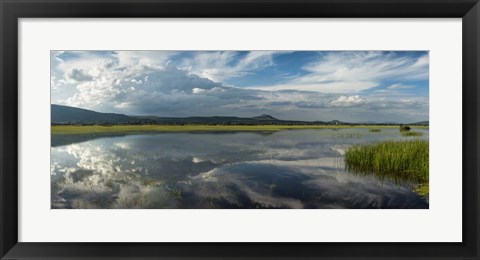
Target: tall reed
x=402 y=161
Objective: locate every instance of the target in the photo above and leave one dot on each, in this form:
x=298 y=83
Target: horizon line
x=342 y=121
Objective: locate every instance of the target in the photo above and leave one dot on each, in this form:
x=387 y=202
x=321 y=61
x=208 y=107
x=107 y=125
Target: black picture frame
x=12 y=10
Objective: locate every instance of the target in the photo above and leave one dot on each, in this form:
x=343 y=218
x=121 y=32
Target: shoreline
x=94 y=129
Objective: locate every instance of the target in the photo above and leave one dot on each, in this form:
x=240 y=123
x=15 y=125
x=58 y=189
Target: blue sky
x=352 y=86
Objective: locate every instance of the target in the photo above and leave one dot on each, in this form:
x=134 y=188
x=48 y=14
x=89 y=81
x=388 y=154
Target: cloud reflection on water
x=287 y=169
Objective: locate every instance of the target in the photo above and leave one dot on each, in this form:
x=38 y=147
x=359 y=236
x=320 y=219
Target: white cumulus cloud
x=344 y=101
x=78 y=75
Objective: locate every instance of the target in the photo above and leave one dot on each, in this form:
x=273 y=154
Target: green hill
x=72 y=115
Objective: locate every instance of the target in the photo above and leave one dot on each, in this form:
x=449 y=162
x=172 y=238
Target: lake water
x=283 y=169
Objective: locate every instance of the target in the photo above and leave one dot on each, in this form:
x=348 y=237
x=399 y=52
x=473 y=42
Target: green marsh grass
x=422 y=189
x=404 y=128
x=374 y=130
x=401 y=161
x=412 y=134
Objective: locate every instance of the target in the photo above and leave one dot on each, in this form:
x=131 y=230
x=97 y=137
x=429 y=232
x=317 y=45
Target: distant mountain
x=73 y=115
x=265 y=117
x=225 y=120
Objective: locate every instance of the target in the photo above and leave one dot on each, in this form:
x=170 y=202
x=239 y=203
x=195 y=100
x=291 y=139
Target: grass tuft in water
x=404 y=128
x=375 y=130
x=401 y=161
x=422 y=189
x=410 y=133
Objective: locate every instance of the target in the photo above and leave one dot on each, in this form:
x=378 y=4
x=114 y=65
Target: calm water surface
x=284 y=169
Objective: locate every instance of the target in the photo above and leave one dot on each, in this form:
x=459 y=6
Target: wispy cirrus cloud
x=221 y=65
x=349 y=72
x=400 y=86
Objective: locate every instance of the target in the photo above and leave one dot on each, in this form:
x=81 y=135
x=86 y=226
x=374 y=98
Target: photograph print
x=239 y=129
